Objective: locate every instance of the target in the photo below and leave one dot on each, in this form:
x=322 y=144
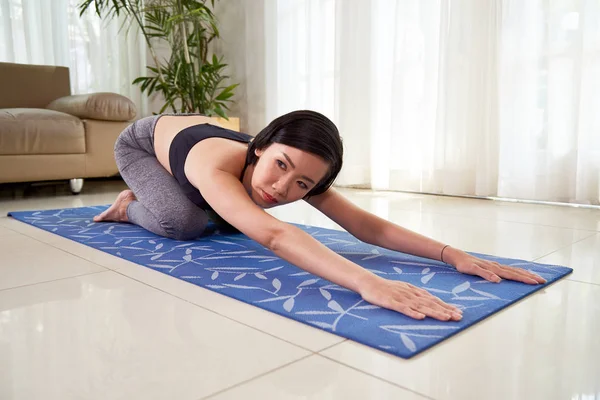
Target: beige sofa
x=48 y=134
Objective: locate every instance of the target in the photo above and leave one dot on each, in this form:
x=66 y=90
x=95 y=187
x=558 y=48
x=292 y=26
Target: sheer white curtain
x=549 y=98
x=101 y=57
x=466 y=97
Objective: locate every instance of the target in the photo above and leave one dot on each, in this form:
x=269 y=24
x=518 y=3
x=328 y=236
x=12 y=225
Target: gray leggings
x=161 y=206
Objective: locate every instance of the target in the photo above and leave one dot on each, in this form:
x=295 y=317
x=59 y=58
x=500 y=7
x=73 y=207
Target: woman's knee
x=185 y=226
x=187 y=234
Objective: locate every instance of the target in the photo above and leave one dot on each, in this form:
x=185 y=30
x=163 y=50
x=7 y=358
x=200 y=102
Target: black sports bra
x=182 y=144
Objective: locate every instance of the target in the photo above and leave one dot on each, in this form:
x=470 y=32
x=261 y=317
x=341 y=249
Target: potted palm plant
x=190 y=79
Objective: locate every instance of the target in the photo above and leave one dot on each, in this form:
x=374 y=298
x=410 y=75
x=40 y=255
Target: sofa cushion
x=39 y=131
x=102 y=106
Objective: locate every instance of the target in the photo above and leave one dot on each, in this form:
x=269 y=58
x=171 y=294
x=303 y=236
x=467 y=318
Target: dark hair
x=308 y=131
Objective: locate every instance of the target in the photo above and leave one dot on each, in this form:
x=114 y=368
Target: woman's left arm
x=372 y=229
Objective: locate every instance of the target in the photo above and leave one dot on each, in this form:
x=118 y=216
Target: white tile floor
x=76 y=323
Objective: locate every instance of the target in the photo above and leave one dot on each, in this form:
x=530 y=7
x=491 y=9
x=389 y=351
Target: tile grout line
x=327 y=358
x=219 y=314
x=333 y=345
x=53 y=245
x=376 y=377
x=56 y=247
x=257 y=376
x=564 y=247
x=583 y=282
x=54 y=280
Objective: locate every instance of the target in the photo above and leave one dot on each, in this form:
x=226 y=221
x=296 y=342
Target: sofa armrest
x=101 y=106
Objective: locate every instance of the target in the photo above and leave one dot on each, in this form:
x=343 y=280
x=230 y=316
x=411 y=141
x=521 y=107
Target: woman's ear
x=258 y=152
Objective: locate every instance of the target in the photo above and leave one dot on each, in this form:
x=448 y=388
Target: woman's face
x=284 y=174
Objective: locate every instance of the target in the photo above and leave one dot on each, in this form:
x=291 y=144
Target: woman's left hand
x=489 y=270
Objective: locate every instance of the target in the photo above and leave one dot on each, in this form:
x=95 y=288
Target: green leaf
x=219 y=111
x=224 y=96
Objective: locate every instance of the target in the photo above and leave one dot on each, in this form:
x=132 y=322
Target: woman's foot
x=118 y=211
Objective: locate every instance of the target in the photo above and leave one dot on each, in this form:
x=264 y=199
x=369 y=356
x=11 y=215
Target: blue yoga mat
x=236 y=266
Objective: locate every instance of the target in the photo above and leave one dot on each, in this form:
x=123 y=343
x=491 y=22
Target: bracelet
x=442 y=253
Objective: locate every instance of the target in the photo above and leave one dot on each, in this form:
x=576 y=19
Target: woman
x=182 y=167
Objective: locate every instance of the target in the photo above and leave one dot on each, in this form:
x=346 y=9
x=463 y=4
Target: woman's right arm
x=228 y=198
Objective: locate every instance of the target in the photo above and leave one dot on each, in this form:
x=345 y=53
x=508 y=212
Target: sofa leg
x=76 y=185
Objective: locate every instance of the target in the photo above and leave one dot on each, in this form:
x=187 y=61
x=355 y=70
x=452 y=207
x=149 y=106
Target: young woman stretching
x=182 y=167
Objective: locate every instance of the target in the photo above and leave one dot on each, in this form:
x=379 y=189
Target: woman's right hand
x=407 y=299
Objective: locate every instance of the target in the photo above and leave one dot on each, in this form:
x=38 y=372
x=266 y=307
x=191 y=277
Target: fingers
x=406 y=310
x=519 y=274
x=418 y=303
x=438 y=313
x=433 y=301
x=419 y=306
x=484 y=273
x=506 y=272
x=409 y=300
